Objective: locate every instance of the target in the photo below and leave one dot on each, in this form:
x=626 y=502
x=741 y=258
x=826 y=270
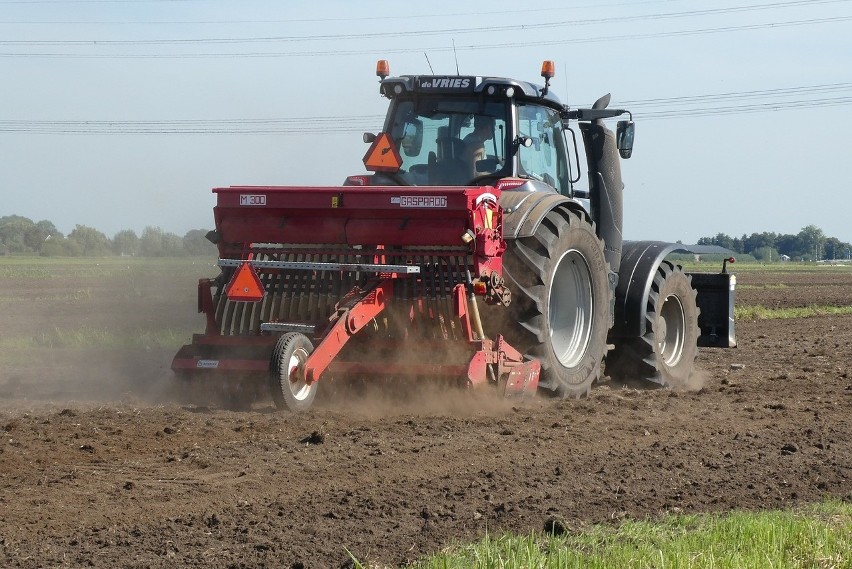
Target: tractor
x=470 y=252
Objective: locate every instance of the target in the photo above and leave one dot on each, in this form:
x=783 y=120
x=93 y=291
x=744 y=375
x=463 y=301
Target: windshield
x=449 y=142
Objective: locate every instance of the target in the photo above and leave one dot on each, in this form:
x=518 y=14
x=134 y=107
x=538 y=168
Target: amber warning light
x=382 y=68
x=548 y=69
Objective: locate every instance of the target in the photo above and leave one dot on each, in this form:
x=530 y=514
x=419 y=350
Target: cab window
x=546 y=159
x=440 y=143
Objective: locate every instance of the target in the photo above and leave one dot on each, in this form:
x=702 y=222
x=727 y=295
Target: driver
x=483 y=130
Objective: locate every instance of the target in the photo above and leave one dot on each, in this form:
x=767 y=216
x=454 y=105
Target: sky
x=123 y=114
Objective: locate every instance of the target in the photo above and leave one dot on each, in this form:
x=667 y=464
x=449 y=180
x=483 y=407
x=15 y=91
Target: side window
x=546 y=159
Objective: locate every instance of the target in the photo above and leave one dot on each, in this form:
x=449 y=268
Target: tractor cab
x=471 y=131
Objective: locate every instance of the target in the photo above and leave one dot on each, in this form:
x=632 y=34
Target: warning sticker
x=383 y=155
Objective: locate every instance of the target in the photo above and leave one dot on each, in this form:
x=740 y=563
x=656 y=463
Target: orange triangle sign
x=383 y=155
x=245 y=285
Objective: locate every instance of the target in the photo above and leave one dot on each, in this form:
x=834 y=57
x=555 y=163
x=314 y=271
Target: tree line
x=21 y=235
x=809 y=244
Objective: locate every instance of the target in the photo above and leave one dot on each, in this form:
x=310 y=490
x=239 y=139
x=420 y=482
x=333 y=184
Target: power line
x=745 y=109
x=738 y=95
x=95 y=1
x=419 y=33
x=375 y=17
x=470 y=47
x=659 y=108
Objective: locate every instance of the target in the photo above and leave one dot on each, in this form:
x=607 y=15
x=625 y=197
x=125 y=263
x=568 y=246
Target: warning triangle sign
x=383 y=155
x=245 y=285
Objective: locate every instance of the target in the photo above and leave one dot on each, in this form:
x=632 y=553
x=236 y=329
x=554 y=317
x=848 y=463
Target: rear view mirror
x=487 y=165
x=624 y=138
x=412 y=137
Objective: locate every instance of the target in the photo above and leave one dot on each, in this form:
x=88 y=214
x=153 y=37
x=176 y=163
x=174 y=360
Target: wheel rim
x=571 y=308
x=670 y=339
x=299 y=388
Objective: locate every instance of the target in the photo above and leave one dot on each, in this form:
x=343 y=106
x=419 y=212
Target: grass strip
x=815 y=537
x=742 y=267
x=44 y=268
x=762 y=287
x=762 y=313
x=90 y=337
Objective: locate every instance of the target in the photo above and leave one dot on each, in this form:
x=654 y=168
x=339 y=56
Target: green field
x=819 y=536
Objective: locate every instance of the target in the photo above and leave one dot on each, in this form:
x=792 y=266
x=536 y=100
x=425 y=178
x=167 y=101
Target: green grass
x=90 y=337
x=762 y=313
x=713 y=267
x=816 y=537
x=773 y=286
x=103 y=267
x=70 y=297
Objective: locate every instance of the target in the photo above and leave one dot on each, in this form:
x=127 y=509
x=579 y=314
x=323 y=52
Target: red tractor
x=469 y=253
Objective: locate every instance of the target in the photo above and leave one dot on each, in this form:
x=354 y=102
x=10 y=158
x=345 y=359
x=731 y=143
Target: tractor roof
x=449 y=85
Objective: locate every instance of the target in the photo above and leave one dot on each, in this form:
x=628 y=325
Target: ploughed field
x=100 y=464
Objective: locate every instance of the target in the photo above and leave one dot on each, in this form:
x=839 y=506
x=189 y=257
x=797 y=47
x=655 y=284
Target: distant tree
x=54 y=247
x=151 y=242
x=788 y=245
x=157 y=243
x=737 y=245
x=126 y=242
x=721 y=239
x=60 y=247
x=13 y=233
x=49 y=228
x=766 y=254
x=92 y=242
x=195 y=243
x=757 y=241
x=810 y=241
x=35 y=236
x=836 y=249
x=172 y=245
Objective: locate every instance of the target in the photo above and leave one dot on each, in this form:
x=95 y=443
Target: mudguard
x=639 y=262
x=524 y=209
x=715 y=296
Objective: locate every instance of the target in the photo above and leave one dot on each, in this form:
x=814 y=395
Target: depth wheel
x=561 y=298
x=287 y=373
x=666 y=353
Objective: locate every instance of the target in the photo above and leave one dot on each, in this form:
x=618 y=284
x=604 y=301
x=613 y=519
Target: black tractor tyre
x=561 y=299
x=666 y=353
x=287 y=373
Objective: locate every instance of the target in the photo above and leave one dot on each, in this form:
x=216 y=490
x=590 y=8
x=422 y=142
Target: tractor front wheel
x=290 y=390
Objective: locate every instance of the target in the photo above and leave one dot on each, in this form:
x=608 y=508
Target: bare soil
x=100 y=467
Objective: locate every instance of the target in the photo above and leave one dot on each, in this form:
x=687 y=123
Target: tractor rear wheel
x=666 y=353
x=287 y=373
x=561 y=298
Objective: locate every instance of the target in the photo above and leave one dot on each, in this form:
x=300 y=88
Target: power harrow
x=352 y=281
